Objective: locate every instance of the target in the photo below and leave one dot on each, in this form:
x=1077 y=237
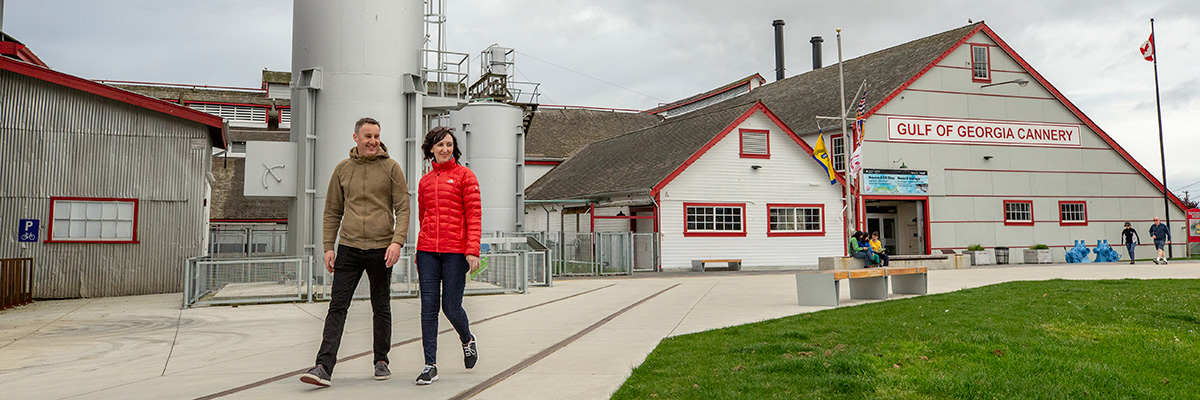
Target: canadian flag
x=1148 y=48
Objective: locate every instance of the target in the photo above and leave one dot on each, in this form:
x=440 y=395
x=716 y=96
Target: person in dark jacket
x=447 y=245
x=366 y=216
x=1161 y=236
x=1130 y=237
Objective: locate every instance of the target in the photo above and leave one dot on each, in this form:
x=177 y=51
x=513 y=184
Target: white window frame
x=93 y=220
x=981 y=66
x=1080 y=214
x=795 y=220
x=837 y=146
x=714 y=219
x=1012 y=215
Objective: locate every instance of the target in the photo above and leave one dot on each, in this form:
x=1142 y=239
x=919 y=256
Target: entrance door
x=885 y=224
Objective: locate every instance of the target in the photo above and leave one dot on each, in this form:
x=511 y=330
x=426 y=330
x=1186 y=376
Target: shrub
x=975 y=247
x=1040 y=246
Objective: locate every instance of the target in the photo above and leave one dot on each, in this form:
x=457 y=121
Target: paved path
x=576 y=340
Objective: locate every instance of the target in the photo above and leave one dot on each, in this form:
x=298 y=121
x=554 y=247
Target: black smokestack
x=816 y=45
x=778 y=24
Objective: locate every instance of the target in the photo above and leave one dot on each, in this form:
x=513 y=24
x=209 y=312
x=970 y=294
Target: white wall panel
x=721 y=176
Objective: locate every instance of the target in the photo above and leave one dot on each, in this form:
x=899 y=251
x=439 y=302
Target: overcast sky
x=636 y=54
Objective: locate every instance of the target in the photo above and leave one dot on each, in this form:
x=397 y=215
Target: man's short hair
x=363 y=121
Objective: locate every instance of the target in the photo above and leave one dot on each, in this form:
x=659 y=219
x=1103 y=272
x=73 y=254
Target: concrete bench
x=730 y=265
x=821 y=288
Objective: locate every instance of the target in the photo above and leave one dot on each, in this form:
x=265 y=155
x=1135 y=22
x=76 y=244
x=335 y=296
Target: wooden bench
x=821 y=288
x=731 y=265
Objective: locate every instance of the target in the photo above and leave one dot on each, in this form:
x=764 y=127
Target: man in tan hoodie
x=368 y=201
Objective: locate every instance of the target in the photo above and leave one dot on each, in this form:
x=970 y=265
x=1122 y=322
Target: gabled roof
x=215 y=125
x=680 y=103
x=560 y=133
x=798 y=100
x=633 y=162
x=645 y=161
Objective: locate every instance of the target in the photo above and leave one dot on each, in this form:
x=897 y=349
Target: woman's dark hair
x=858 y=235
x=436 y=135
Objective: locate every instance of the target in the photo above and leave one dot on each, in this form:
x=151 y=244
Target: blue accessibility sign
x=27 y=230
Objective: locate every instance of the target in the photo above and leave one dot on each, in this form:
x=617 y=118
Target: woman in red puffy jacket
x=447 y=245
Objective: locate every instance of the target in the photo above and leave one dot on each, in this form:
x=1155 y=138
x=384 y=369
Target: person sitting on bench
x=860 y=248
x=877 y=247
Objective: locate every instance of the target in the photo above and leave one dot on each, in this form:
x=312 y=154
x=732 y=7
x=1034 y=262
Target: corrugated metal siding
x=64 y=142
x=722 y=176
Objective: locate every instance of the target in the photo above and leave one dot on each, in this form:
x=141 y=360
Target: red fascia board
x=715 y=92
x=214 y=123
x=1078 y=113
x=758 y=106
x=539 y=162
x=21 y=52
x=1041 y=80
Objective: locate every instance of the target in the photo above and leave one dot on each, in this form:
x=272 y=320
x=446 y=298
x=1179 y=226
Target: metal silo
x=494 y=148
x=350 y=59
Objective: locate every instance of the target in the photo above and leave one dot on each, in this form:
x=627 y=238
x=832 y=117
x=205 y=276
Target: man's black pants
x=347 y=271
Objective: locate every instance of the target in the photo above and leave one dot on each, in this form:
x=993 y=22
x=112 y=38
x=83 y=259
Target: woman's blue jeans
x=443 y=278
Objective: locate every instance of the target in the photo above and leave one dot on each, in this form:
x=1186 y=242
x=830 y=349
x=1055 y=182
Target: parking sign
x=27 y=230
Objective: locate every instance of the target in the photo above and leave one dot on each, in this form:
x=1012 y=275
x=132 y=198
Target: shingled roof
x=560 y=133
x=705 y=95
x=801 y=98
x=633 y=163
x=636 y=162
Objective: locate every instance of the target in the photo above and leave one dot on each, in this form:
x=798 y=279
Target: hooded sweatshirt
x=368 y=200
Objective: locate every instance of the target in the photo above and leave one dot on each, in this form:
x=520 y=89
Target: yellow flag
x=821 y=154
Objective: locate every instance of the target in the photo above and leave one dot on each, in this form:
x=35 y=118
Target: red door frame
x=923 y=199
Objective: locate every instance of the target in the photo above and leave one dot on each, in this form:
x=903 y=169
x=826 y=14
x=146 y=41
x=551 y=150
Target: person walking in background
x=447 y=246
x=877 y=247
x=1130 y=237
x=1161 y=235
x=366 y=215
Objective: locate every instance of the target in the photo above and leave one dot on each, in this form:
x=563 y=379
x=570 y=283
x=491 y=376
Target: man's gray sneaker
x=316 y=376
x=470 y=353
x=381 y=371
x=428 y=375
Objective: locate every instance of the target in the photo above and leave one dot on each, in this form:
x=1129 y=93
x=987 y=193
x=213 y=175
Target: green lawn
x=1122 y=339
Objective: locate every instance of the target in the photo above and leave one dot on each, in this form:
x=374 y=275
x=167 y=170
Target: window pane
x=78 y=229
x=108 y=229
x=95 y=211
x=109 y=211
x=78 y=210
x=62 y=228
x=125 y=211
x=125 y=229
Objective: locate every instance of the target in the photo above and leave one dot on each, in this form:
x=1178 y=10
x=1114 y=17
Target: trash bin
x=1001 y=255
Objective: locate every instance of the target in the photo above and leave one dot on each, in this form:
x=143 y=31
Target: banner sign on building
x=977 y=131
x=895 y=181
x=1193 y=225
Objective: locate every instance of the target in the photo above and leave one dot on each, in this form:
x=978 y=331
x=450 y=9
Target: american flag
x=858 y=120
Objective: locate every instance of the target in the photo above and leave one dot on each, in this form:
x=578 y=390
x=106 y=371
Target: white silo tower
x=350 y=59
x=493 y=145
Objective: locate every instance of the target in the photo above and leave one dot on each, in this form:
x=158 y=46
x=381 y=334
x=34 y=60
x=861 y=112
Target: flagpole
x=847 y=142
x=1162 y=154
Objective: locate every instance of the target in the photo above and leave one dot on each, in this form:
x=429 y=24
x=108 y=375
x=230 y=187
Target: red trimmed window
x=91 y=220
x=837 y=147
x=1018 y=212
x=795 y=220
x=706 y=219
x=1072 y=213
x=755 y=143
x=981 y=63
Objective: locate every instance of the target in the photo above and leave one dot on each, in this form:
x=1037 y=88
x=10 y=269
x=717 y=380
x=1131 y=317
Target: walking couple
x=366 y=215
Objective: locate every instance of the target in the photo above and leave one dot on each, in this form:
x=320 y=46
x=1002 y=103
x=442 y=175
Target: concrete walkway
x=576 y=340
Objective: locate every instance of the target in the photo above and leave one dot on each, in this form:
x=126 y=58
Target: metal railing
x=403 y=281
x=602 y=253
x=218 y=281
x=16 y=282
x=209 y=281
